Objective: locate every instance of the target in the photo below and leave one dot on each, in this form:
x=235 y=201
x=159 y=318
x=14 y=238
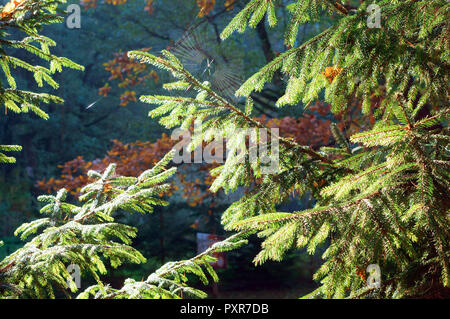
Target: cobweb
x=202 y=55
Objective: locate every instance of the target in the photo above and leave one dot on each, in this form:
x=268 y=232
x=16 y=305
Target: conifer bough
x=385 y=199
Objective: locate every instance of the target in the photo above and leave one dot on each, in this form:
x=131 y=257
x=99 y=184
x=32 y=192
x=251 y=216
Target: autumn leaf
x=10 y=8
x=332 y=72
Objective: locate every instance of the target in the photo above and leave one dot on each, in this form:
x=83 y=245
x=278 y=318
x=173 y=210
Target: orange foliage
x=331 y=72
x=130 y=73
x=88 y=4
x=131 y=159
x=10 y=8
x=127 y=97
x=149 y=6
x=306 y=130
x=206 y=6
x=104 y=90
x=230 y=4
x=361 y=272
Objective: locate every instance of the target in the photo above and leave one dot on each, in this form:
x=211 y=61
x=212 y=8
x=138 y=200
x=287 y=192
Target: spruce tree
x=381 y=195
x=86 y=235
